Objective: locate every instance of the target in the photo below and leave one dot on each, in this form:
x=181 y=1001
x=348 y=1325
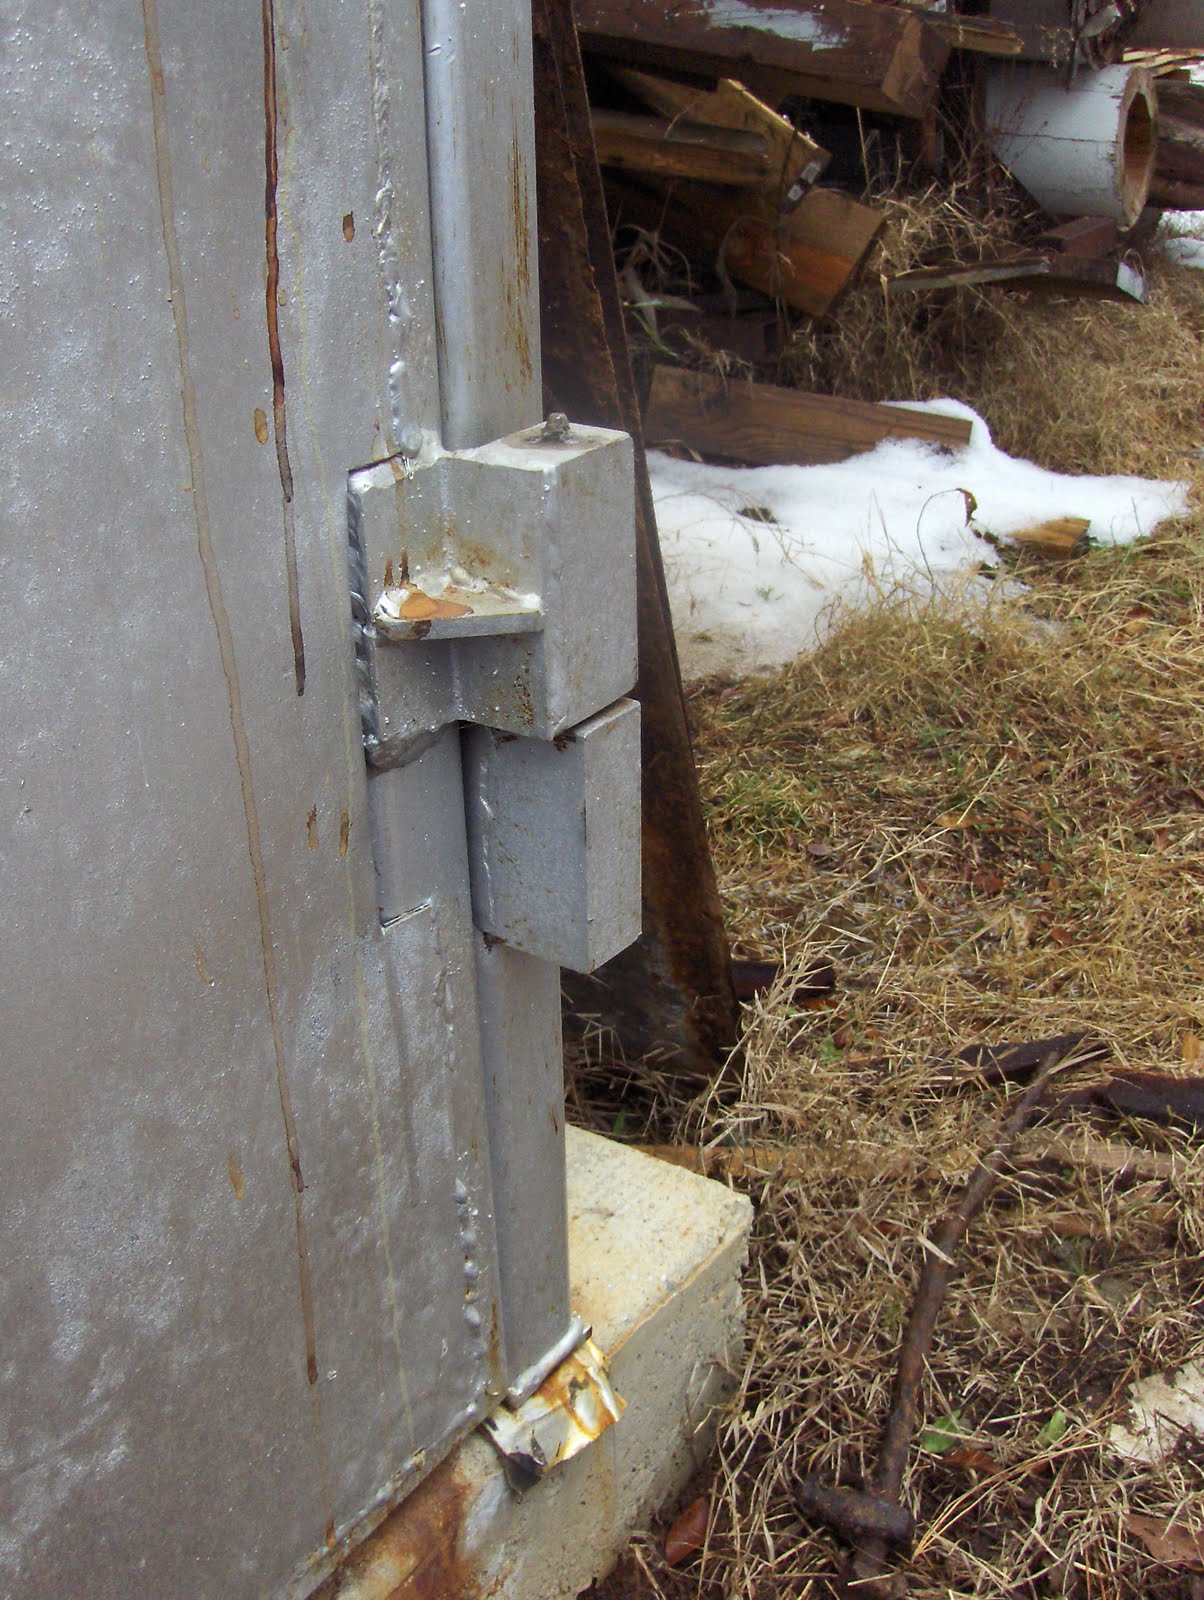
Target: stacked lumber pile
x=743 y=136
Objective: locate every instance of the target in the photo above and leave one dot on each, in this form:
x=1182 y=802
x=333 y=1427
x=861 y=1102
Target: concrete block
x=655 y=1256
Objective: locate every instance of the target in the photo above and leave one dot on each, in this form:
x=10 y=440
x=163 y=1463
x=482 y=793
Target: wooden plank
x=1079 y=276
x=880 y=57
x=795 y=160
x=984 y=36
x=959 y=275
x=679 y=149
x=1172 y=194
x=768 y=426
x=1084 y=279
x=1083 y=236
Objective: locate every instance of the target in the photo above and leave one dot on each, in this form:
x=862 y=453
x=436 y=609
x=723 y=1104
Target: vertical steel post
x=481 y=141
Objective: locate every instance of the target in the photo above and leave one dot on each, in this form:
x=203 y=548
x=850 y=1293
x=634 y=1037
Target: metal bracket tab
x=494 y=586
x=573 y=1406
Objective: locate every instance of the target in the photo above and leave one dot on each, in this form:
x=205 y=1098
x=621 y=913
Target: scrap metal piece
x=573 y=1406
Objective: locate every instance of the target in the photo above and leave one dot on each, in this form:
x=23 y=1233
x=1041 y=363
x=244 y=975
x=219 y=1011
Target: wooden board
x=880 y=57
x=680 y=149
x=1082 y=277
x=767 y=426
x=1082 y=236
x=795 y=160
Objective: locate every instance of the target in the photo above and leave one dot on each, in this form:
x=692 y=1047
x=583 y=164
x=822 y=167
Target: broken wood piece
x=1081 y=236
x=880 y=57
x=769 y=426
x=1060 y=536
x=1156 y=1096
x=752 y=978
x=1078 y=276
x=754 y=337
x=1110 y=1157
x=805 y=257
x=795 y=161
x=870 y=1568
x=855 y=1515
x=1014 y=1063
x=679 y=149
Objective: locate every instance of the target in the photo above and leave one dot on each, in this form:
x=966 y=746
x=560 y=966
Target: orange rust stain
x=349 y=226
x=344 y=831
x=419 y=606
x=261 y=425
x=415 y=1553
x=311 y=827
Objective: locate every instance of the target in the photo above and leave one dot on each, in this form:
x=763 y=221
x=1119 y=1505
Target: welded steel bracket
x=573 y=1406
x=554 y=837
x=494 y=586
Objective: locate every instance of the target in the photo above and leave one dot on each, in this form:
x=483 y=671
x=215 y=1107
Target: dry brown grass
x=993 y=824
x=1076 y=385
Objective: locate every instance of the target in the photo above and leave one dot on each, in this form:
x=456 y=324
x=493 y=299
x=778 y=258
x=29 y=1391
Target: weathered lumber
x=1081 y=236
x=984 y=36
x=795 y=160
x=804 y=257
x=679 y=149
x=672 y=990
x=883 y=58
x=1083 y=277
x=768 y=426
x=1179 y=153
x=1172 y=194
x=1059 y=537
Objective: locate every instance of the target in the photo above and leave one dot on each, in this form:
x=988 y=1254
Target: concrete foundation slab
x=655 y=1256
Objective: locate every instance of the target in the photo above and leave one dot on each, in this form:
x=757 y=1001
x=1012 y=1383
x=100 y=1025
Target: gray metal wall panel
x=155 y=1342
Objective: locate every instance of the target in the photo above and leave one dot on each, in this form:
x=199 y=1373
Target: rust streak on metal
x=415 y=1554
x=207 y=555
x=675 y=985
x=272 y=301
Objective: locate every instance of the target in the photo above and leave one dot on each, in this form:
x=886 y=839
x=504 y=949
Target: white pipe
x=1083 y=151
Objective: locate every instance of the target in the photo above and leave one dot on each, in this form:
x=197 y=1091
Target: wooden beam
x=1083 y=236
x=984 y=36
x=1081 y=277
x=768 y=426
x=795 y=160
x=880 y=57
x=679 y=149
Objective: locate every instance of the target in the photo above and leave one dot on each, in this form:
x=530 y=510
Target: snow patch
x=1164 y=1412
x=757 y=558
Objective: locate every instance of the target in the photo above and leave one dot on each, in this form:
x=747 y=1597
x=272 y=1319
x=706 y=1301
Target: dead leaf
x=972 y=1460
x=1172 y=1543
x=688 y=1532
x=1192 y=1049
x=987 y=882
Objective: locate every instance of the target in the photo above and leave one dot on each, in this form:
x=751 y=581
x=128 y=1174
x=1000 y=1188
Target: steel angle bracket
x=494 y=586
x=573 y=1406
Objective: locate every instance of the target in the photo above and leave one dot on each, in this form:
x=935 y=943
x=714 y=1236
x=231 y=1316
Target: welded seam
x=229 y=663
x=275 y=354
